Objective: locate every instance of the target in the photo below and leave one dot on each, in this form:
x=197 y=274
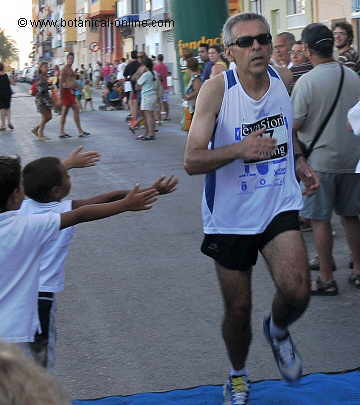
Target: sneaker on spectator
x=236 y=390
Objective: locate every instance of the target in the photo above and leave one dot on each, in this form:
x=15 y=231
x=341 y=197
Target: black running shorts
x=240 y=252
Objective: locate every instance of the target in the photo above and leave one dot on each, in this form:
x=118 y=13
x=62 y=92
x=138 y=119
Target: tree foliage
x=8 y=50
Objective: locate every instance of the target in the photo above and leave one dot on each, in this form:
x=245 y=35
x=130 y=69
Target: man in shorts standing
x=68 y=100
x=335 y=154
x=241 y=137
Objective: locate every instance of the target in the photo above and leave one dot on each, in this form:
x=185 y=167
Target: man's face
x=282 y=49
x=341 y=38
x=255 y=58
x=70 y=60
x=203 y=53
x=297 y=54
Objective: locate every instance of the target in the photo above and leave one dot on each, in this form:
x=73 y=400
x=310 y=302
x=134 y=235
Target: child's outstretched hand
x=137 y=200
x=78 y=158
x=165 y=185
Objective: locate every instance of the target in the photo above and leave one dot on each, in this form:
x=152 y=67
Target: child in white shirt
x=46 y=182
x=24 y=236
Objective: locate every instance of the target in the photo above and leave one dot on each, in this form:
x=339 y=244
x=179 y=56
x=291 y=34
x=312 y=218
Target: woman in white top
x=149 y=84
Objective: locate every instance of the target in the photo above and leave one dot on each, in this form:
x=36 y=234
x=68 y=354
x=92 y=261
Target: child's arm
x=163 y=185
x=77 y=158
x=136 y=200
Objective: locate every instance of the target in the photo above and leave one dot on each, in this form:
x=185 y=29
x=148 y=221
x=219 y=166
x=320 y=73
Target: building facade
x=283 y=15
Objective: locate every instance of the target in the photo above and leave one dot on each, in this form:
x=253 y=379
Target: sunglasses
x=246 y=42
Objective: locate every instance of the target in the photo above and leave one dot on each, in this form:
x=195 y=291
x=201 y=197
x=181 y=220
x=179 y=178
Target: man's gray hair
x=290 y=38
x=227 y=35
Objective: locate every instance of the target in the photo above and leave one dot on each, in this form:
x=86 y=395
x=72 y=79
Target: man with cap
x=334 y=155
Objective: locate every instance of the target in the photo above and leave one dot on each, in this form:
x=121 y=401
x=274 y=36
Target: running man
x=241 y=137
x=68 y=100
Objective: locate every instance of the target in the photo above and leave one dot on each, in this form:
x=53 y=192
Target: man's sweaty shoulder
x=210 y=96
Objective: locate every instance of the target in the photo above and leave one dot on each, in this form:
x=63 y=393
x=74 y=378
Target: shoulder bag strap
x=310 y=149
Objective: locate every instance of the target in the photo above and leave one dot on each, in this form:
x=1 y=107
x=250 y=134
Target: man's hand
x=137 y=200
x=165 y=185
x=307 y=175
x=80 y=159
x=256 y=147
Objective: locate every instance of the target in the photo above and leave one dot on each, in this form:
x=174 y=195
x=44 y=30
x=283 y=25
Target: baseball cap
x=317 y=36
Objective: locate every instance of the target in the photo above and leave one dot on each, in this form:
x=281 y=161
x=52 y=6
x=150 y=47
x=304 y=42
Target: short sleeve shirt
x=22 y=238
x=337 y=150
x=162 y=70
x=55 y=251
x=149 y=85
x=350 y=58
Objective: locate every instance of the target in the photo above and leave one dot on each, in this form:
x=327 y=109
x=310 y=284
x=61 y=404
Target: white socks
x=237 y=373
x=275 y=331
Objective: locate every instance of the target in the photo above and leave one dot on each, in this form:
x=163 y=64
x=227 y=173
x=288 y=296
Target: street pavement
x=141 y=310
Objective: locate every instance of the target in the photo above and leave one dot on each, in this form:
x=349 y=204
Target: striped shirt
x=298 y=71
x=350 y=58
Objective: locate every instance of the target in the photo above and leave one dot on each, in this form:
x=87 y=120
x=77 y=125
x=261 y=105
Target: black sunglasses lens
x=245 y=42
x=264 y=39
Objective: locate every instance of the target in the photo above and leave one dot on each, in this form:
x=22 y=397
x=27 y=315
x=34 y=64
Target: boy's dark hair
x=10 y=176
x=204 y=45
x=134 y=55
x=40 y=176
x=347 y=28
x=319 y=38
x=160 y=57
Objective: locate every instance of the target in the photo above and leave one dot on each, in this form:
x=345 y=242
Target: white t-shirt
x=243 y=197
x=55 y=251
x=120 y=71
x=22 y=238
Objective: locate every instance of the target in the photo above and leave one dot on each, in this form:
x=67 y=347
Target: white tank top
x=243 y=197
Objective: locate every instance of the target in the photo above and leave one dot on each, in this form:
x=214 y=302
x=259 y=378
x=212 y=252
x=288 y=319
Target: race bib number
x=275 y=127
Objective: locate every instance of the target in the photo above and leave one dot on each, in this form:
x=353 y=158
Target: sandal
x=148 y=138
x=65 y=136
x=140 y=138
x=354 y=280
x=35 y=132
x=324 y=288
x=84 y=133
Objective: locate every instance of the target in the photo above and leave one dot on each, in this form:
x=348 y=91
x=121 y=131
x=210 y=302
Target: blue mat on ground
x=314 y=389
